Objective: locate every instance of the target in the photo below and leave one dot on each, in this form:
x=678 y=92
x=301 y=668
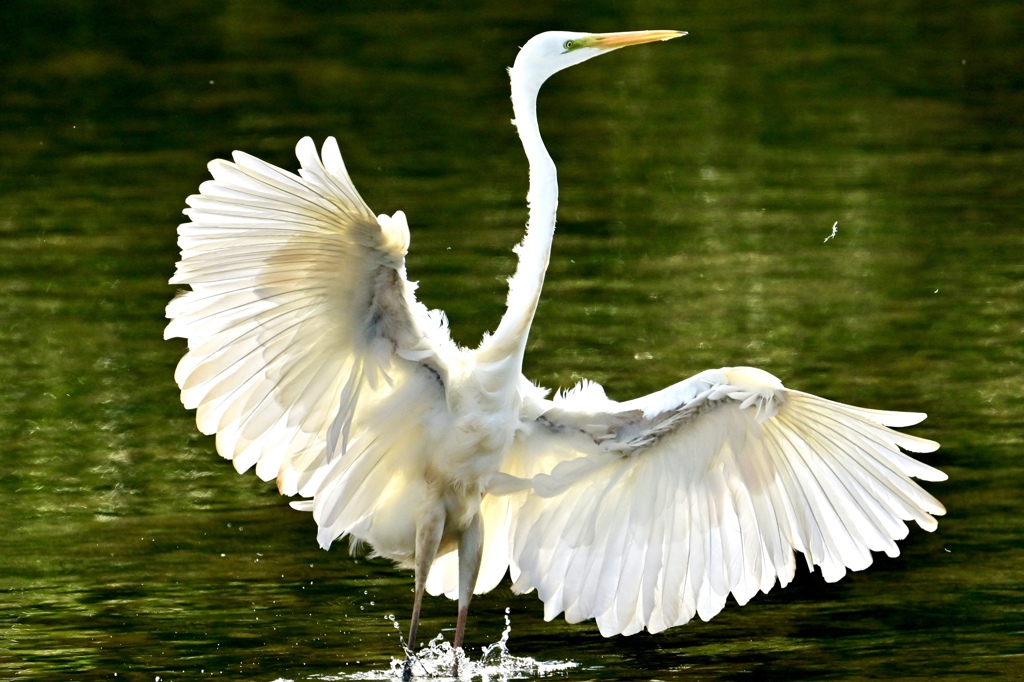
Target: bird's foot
x=458 y=655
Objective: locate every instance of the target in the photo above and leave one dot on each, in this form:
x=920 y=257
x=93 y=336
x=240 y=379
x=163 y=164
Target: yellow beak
x=613 y=41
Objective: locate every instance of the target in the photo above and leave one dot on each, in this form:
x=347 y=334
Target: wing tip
x=900 y=419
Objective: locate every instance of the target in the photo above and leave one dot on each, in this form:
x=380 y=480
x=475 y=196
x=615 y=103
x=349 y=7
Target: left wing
x=647 y=512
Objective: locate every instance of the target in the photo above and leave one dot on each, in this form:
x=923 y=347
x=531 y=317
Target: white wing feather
x=299 y=313
x=648 y=512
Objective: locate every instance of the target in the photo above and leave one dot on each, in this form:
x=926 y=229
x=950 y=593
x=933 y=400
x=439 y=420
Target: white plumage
x=311 y=360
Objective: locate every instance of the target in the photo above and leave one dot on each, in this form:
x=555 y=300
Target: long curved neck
x=509 y=340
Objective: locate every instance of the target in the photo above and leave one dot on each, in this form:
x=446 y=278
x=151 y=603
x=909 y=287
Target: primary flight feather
x=311 y=360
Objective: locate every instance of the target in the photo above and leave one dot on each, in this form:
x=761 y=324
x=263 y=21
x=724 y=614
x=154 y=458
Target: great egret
x=311 y=359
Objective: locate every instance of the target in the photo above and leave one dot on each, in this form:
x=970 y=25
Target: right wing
x=645 y=513
x=300 y=316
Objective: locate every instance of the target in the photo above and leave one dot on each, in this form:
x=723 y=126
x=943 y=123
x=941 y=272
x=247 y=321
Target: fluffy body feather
x=311 y=360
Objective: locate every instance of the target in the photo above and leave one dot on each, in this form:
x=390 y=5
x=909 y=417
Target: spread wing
x=648 y=512
x=299 y=312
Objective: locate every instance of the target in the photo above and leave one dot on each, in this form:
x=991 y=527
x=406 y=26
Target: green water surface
x=700 y=179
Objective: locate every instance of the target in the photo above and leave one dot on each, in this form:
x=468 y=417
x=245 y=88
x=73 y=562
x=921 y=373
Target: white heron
x=311 y=359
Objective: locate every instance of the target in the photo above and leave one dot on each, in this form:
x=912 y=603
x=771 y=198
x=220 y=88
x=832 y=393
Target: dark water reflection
x=700 y=180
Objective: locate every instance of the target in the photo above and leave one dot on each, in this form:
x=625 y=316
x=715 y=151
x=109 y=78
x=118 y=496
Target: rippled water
x=700 y=182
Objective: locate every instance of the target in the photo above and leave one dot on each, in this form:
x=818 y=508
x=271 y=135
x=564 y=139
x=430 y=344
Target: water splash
x=435 y=661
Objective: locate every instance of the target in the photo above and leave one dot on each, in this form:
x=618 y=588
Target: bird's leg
x=428 y=538
x=471 y=545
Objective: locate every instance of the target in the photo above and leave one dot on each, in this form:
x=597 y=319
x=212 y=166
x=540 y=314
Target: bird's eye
x=567 y=45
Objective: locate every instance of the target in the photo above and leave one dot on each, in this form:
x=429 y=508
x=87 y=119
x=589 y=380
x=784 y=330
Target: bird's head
x=548 y=53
